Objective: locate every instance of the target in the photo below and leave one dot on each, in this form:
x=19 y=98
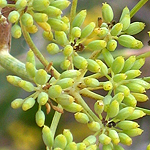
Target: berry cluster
x=113 y=119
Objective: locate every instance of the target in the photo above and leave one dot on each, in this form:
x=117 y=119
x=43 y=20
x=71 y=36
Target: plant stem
x=37 y=53
x=145 y=55
x=137 y=7
x=72 y=14
x=55 y=121
x=12 y=64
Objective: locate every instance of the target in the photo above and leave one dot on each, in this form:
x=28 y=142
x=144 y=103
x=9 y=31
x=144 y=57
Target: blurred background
x=18 y=130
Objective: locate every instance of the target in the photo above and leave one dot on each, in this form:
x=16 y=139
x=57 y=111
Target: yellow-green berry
x=99 y=107
x=27 y=20
x=47 y=136
x=107 y=99
x=104 y=69
x=125 y=22
x=132 y=74
x=60 y=141
x=81 y=117
x=14 y=80
x=76 y=32
x=107 y=85
x=17 y=103
x=130 y=100
x=32 y=29
x=92 y=147
x=40 y=118
x=114 y=136
x=31 y=70
x=116 y=29
x=45 y=26
x=119 y=97
x=71 y=146
x=111 y=45
x=133 y=132
x=123 y=89
x=70 y=74
x=65 y=64
x=16 y=31
x=28 y=103
x=140 y=97
x=13 y=16
x=138 y=64
x=40 y=17
x=145 y=84
x=40 y=5
x=67 y=133
x=48 y=35
x=104 y=139
x=21 y=4
x=94 y=126
x=30 y=57
x=54 y=91
x=53 y=48
x=42 y=98
x=68 y=50
x=107 y=12
x=91 y=139
x=91 y=82
x=65 y=82
x=27 y=86
x=119 y=77
x=125 y=139
x=3 y=3
x=81 y=146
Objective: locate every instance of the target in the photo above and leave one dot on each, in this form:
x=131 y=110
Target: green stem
x=137 y=7
x=12 y=64
x=72 y=14
x=55 y=121
x=145 y=55
x=37 y=53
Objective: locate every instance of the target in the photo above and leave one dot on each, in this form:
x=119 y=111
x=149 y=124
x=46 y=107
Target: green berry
x=40 y=5
x=30 y=57
x=14 y=80
x=104 y=69
x=99 y=107
x=41 y=77
x=81 y=146
x=91 y=139
x=125 y=139
x=17 y=103
x=125 y=11
x=68 y=50
x=28 y=103
x=16 y=31
x=61 y=4
x=123 y=89
x=114 y=136
x=3 y=3
x=118 y=64
x=111 y=45
x=54 y=91
x=104 y=139
x=68 y=135
x=48 y=35
x=125 y=22
x=13 y=16
x=93 y=66
x=107 y=85
x=31 y=70
x=96 y=45
x=21 y=4
x=138 y=64
x=27 y=86
x=91 y=82
x=132 y=74
x=42 y=98
x=101 y=32
x=130 y=100
x=53 y=48
x=70 y=74
x=133 y=132
x=76 y=32
x=92 y=147
x=27 y=20
x=71 y=146
x=40 y=118
x=140 y=97
x=93 y=126
x=79 y=18
x=119 y=77
x=116 y=29
x=47 y=136
x=81 y=117
x=40 y=17
x=107 y=147
x=65 y=64
x=145 y=84
x=118 y=97
x=107 y=12
x=60 y=141
x=65 y=82
x=107 y=99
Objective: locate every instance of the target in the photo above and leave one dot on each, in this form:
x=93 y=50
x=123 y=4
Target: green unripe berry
x=87 y=30
x=21 y=4
x=41 y=77
x=123 y=89
x=138 y=64
x=17 y=103
x=81 y=117
x=76 y=32
x=135 y=28
x=140 y=97
x=61 y=38
x=80 y=62
x=101 y=32
x=71 y=146
x=118 y=147
x=125 y=139
x=118 y=97
x=91 y=82
x=53 y=48
x=40 y=5
x=111 y=45
x=130 y=100
x=145 y=84
x=125 y=22
x=99 y=107
x=104 y=69
x=107 y=147
x=113 y=109
x=68 y=50
x=94 y=126
x=14 y=80
x=132 y=74
x=107 y=99
x=52 y=11
x=96 y=45
x=68 y=135
x=73 y=107
x=57 y=24
x=65 y=64
x=114 y=136
x=79 y=18
x=107 y=13
x=118 y=64
x=81 y=146
x=48 y=35
x=124 y=12
x=54 y=91
x=61 y=4
x=91 y=139
x=70 y=74
x=42 y=98
x=93 y=66
x=31 y=70
x=92 y=147
x=119 y=77
x=13 y=16
x=27 y=86
x=40 y=118
x=116 y=29
x=47 y=136
x=27 y=20
x=60 y=141
x=16 y=31
x=40 y=17
x=45 y=26
x=107 y=86
x=64 y=99
x=30 y=57
x=65 y=82
x=104 y=139
x=133 y=132
x=28 y=103
x=3 y=3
